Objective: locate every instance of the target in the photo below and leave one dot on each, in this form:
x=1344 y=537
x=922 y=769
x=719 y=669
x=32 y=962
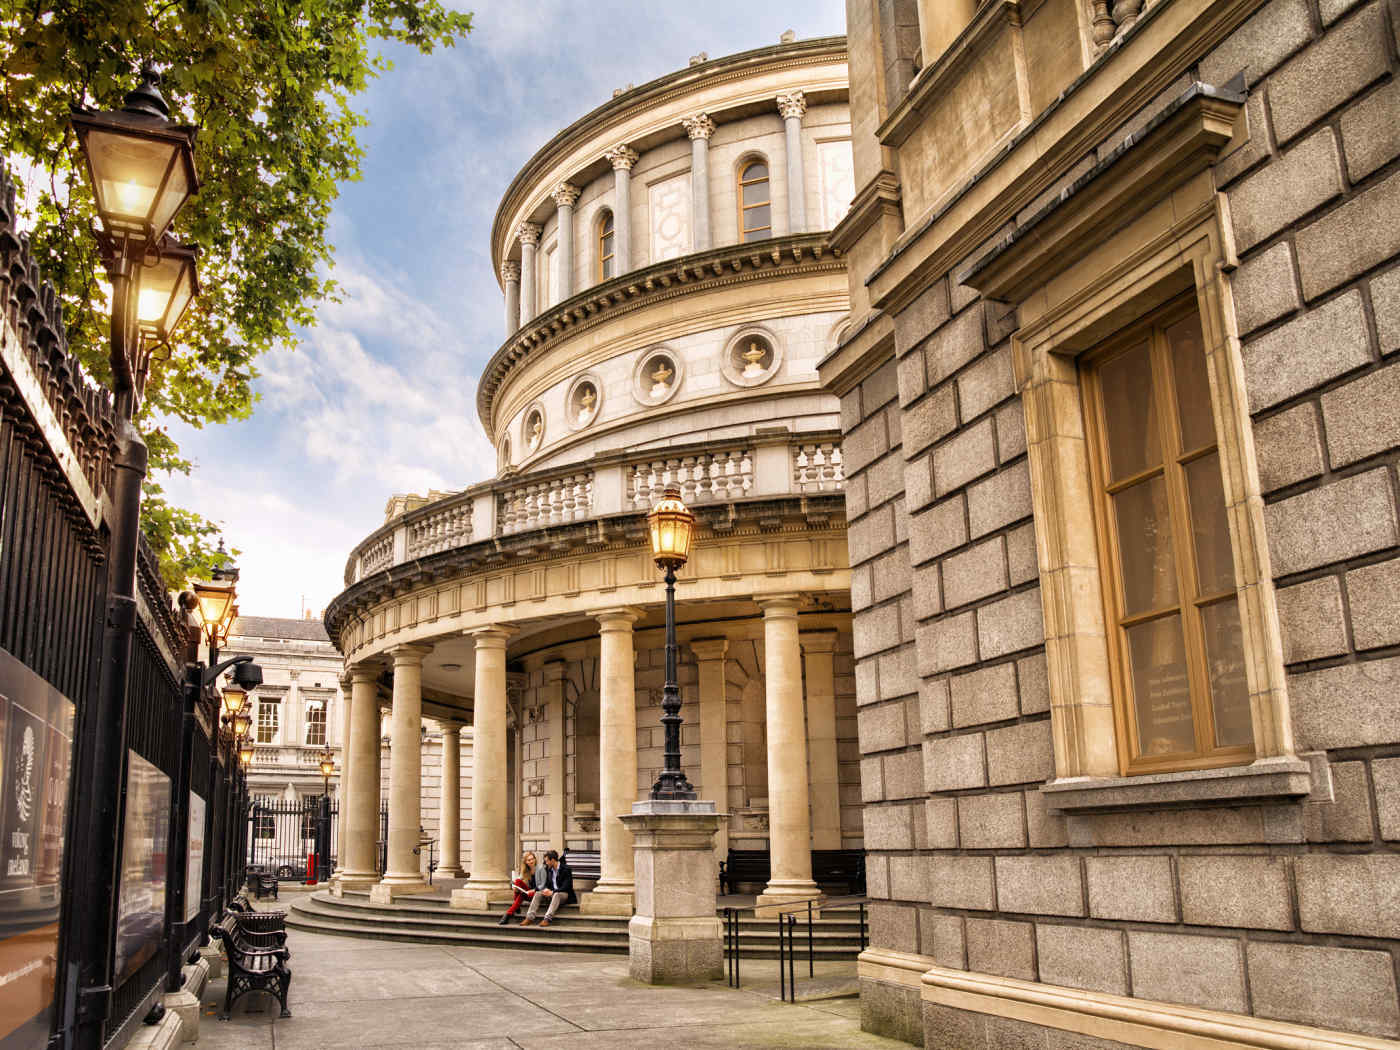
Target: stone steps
x=429 y=920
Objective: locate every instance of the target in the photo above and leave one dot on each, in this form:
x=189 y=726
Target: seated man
x=558 y=887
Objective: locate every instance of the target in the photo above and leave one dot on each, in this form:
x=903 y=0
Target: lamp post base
x=675 y=936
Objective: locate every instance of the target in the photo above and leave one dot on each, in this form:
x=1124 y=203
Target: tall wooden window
x=1169 y=578
x=755 y=202
x=316 y=724
x=606 y=244
x=267 y=721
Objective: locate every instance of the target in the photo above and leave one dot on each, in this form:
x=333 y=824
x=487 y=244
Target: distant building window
x=316 y=725
x=755 y=202
x=606 y=245
x=264 y=826
x=267 y=721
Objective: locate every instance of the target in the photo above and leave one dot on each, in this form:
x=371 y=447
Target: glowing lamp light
x=242 y=722
x=167 y=288
x=245 y=752
x=140 y=164
x=327 y=763
x=235 y=696
x=214 y=605
x=672 y=526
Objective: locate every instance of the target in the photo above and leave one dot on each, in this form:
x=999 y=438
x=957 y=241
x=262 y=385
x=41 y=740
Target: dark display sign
x=145 y=840
x=36 y=749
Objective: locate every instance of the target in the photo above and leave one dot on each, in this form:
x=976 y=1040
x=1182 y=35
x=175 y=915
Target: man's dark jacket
x=560 y=879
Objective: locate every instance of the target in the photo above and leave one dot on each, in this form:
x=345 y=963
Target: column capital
x=449 y=728
x=621 y=157
x=618 y=618
x=565 y=195
x=408 y=654
x=510 y=270
x=823 y=641
x=776 y=606
x=493 y=636
x=699 y=126
x=365 y=671
x=529 y=233
x=709 y=648
x=792 y=104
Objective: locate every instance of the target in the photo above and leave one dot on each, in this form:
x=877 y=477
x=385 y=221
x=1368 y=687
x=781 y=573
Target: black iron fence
x=91 y=918
x=285 y=836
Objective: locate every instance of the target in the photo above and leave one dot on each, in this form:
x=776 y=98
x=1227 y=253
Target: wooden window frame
x=274 y=707
x=311 y=722
x=602 y=230
x=1189 y=605
x=740 y=183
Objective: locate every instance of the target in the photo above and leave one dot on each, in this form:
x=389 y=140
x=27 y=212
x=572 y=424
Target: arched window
x=755 y=202
x=606 y=244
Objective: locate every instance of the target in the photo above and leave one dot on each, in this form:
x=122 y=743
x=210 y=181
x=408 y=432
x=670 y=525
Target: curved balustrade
x=771 y=464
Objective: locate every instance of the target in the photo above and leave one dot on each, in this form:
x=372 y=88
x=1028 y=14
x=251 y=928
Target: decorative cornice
x=699 y=126
x=529 y=233
x=717 y=267
x=880 y=196
x=510 y=270
x=565 y=195
x=621 y=157
x=792 y=104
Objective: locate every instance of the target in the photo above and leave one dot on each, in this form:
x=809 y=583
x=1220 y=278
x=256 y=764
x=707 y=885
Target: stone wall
x=1284 y=910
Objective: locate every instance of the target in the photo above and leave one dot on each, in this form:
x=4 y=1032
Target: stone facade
x=1242 y=156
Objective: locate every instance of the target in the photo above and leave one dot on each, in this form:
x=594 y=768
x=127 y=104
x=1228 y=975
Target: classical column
x=622 y=158
x=565 y=197
x=714 y=765
x=490 y=863
x=529 y=234
x=359 y=815
x=789 y=825
x=819 y=672
x=617 y=742
x=451 y=831
x=700 y=127
x=403 y=872
x=346 y=687
x=510 y=274
x=792 y=105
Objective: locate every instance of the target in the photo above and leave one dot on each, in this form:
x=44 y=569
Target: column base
x=384 y=891
x=480 y=895
x=776 y=894
x=353 y=880
x=675 y=951
x=609 y=898
x=454 y=872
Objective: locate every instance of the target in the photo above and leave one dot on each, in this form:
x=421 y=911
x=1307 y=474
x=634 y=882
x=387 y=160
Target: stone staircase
x=429 y=920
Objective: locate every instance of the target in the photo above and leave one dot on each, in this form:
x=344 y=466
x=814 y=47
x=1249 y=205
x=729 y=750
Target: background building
x=670 y=286
x=1118 y=399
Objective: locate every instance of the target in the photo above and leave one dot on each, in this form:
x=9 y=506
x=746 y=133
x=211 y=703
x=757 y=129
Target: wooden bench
x=584 y=863
x=251 y=968
x=839 y=866
x=745 y=865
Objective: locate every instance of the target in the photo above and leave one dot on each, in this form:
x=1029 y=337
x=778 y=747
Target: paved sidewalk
x=348 y=992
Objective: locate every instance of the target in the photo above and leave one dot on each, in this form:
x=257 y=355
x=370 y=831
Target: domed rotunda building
x=670 y=285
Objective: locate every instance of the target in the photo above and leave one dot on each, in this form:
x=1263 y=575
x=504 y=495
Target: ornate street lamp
x=235 y=696
x=245 y=752
x=141 y=168
x=327 y=768
x=671 y=526
x=242 y=724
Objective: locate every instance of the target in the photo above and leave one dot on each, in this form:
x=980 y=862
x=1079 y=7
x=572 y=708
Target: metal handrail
x=787 y=915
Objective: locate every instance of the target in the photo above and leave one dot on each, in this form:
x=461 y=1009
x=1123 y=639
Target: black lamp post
x=141 y=168
x=671 y=526
x=323 y=822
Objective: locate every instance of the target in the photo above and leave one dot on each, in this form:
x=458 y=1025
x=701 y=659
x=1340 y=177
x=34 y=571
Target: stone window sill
x=1268 y=780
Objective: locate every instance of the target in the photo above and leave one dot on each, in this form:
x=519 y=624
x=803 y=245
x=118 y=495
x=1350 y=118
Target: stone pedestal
x=675 y=936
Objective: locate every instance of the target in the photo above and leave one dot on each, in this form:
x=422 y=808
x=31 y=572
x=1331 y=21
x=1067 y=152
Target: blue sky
x=380 y=396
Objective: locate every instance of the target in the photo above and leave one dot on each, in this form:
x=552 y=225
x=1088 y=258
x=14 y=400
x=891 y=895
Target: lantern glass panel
x=234 y=698
x=127 y=173
x=166 y=291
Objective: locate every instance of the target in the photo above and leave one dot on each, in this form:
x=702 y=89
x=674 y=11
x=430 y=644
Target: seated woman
x=526 y=881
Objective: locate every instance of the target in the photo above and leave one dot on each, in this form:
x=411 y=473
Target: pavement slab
x=349 y=993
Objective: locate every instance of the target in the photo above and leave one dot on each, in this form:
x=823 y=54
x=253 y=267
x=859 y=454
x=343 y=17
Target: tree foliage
x=270 y=83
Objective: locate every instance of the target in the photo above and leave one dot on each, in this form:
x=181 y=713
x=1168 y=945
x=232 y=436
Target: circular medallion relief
x=657 y=376
x=751 y=357
x=532 y=429
x=583 y=401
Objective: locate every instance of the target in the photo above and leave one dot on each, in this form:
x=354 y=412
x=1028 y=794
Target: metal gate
x=282 y=834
